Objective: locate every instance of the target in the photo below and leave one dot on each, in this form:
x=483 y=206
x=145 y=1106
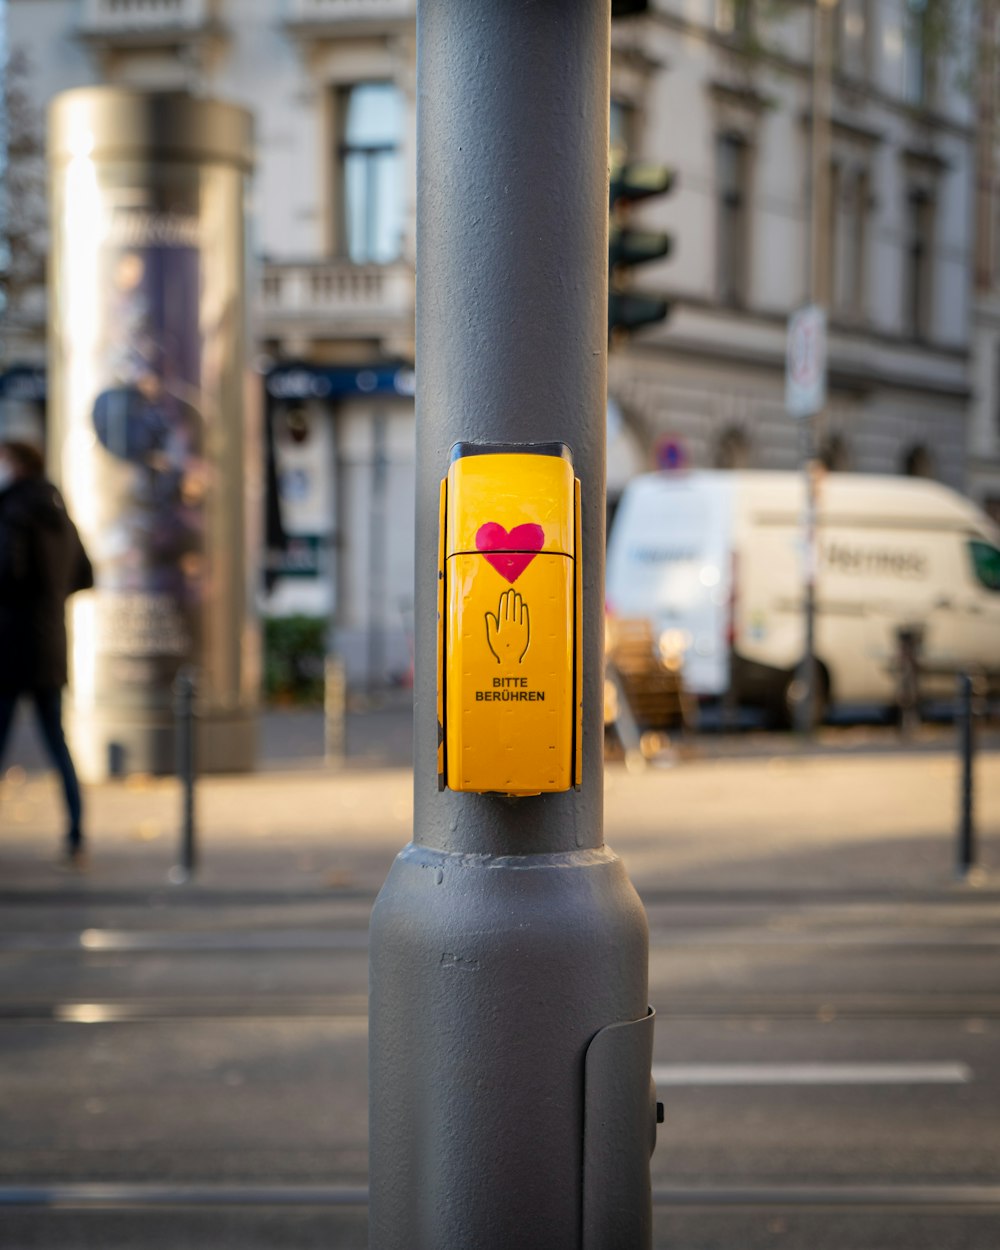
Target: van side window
x=986 y=564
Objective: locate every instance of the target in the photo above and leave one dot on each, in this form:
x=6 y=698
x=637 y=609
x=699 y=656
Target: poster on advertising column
x=149 y=421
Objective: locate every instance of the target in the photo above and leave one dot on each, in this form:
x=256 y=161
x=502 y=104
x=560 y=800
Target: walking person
x=42 y=563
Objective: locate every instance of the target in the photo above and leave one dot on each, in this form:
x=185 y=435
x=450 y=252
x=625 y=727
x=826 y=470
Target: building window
x=918 y=461
x=919 y=28
x=732 y=180
x=995 y=223
x=852 y=39
x=850 y=199
x=996 y=386
x=371 y=182
x=622 y=121
x=734 y=18
x=835 y=453
x=917 y=261
x=733 y=450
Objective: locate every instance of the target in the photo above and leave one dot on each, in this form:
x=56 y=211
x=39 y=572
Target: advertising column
x=148 y=433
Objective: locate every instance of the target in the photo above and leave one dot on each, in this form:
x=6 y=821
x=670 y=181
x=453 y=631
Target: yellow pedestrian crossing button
x=509 y=674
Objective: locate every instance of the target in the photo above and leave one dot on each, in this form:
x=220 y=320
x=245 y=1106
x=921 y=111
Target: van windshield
x=670 y=563
x=668 y=526
x=985 y=564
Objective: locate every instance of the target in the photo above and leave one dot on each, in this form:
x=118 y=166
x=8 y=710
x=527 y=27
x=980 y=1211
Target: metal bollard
x=908 y=646
x=185 y=688
x=626 y=725
x=334 y=710
x=966 y=830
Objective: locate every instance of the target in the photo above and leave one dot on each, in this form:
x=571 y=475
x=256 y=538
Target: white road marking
x=812 y=1074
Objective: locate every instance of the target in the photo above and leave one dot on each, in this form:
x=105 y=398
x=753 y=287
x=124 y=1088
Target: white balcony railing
x=110 y=17
x=336 y=294
x=320 y=12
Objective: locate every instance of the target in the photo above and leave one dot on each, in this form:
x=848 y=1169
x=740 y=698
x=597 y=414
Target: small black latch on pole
x=185 y=689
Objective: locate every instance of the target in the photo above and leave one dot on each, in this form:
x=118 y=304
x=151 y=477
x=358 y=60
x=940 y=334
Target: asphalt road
x=185 y=1067
x=194 y=1076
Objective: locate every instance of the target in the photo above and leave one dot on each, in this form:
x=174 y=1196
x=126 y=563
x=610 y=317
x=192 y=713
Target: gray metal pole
x=334 y=710
x=806 y=706
x=185 y=686
x=819 y=293
x=376 y=679
x=510 y=1043
x=966 y=746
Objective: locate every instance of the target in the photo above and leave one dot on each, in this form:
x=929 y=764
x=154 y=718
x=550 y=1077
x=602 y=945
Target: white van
x=714 y=560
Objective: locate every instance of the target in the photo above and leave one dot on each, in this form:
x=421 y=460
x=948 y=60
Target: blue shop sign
x=302 y=381
x=23 y=382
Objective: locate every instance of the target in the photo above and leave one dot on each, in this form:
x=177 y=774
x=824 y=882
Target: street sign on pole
x=805 y=362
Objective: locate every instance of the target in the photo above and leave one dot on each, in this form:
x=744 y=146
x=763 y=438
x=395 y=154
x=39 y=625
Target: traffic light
x=629 y=246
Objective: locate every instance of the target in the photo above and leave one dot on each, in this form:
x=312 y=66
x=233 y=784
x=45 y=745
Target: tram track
x=102 y=1196
x=72 y=970
x=267 y=1005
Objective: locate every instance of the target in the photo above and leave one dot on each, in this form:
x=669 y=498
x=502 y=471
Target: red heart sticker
x=509 y=553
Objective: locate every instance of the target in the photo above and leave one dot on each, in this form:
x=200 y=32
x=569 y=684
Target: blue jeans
x=48 y=711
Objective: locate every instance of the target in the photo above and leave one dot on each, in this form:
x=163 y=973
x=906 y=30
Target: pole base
x=490 y=977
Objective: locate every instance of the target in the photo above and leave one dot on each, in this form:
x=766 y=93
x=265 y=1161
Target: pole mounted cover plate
x=509 y=620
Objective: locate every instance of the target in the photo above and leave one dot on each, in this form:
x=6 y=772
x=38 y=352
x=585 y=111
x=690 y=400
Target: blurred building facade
x=722 y=89
x=984 y=417
x=710 y=87
x=331 y=85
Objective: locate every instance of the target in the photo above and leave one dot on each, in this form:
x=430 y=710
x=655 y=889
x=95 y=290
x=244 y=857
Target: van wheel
x=792 y=692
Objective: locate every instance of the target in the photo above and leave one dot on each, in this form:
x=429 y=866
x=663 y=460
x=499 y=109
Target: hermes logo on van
x=876 y=561
x=662 y=555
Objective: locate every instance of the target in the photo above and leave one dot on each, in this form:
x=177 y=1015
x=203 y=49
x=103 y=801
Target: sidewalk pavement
x=768 y=823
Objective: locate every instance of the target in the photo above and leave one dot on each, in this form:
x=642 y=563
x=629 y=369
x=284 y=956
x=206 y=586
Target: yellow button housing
x=509 y=689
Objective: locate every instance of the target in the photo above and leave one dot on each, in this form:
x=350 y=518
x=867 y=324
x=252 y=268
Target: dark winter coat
x=42 y=562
